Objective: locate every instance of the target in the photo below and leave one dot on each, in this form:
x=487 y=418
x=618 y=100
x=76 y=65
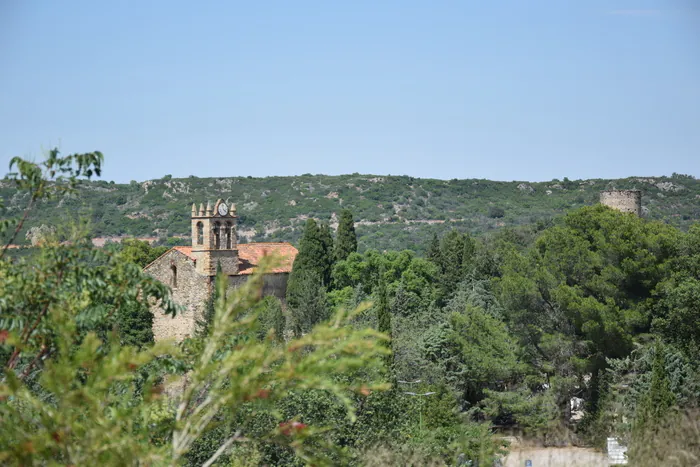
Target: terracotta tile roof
x=249 y=255
x=185 y=250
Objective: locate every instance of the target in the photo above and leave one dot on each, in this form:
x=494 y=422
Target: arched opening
x=229 y=236
x=200 y=233
x=173 y=279
x=217 y=236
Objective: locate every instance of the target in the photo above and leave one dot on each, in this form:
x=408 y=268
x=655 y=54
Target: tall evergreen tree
x=383 y=313
x=433 y=253
x=658 y=401
x=346 y=239
x=307 y=302
x=451 y=263
x=271 y=317
x=313 y=252
x=310 y=274
x=469 y=253
x=327 y=241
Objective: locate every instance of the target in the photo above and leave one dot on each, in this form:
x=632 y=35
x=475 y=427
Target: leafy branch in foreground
x=96 y=402
x=266 y=370
x=47 y=180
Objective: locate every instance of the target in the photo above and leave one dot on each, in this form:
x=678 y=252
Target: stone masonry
x=190 y=270
x=623 y=200
x=190 y=289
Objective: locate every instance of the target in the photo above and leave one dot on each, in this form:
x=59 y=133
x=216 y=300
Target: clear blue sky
x=507 y=90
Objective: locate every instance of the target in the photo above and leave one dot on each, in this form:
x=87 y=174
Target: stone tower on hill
x=623 y=200
x=190 y=270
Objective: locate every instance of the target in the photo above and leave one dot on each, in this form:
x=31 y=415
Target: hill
x=392 y=212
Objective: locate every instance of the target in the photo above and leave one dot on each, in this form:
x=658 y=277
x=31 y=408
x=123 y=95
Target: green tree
x=135 y=324
x=468 y=255
x=314 y=254
x=676 y=313
x=433 y=252
x=327 y=241
x=95 y=407
x=306 y=298
x=451 y=262
x=474 y=351
x=657 y=404
x=73 y=394
x=271 y=318
x=112 y=294
x=46 y=181
x=581 y=294
x=383 y=313
x=345 y=239
x=140 y=252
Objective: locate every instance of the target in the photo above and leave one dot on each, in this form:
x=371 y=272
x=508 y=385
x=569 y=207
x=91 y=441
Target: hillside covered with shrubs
x=391 y=212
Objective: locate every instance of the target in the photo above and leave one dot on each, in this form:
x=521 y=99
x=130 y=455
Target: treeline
x=566 y=331
x=393 y=212
x=569 y=331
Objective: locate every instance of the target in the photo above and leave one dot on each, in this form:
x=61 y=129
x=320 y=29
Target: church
x=190 y=271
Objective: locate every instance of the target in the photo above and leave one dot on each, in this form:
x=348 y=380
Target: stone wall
x=273 y=284
x=228 y=260
x=191 y=291
x=623 y=200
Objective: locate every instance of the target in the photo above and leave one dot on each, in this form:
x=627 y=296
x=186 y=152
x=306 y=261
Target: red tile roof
x=249 y=255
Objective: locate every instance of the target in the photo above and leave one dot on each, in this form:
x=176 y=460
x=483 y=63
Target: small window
x=200 y=233
x=173 y=279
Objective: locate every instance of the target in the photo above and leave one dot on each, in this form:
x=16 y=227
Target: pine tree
x=346 y=239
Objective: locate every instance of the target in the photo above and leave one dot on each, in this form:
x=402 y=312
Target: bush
x=495 y=212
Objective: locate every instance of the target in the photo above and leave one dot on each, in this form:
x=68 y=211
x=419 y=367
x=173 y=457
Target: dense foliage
x=390 y=212
x=565 y=330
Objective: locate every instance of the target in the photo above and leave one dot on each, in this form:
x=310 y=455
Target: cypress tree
x=271 y=317
x=327 y=241
x=310 y=271
x=452 y=255
x=346 y=239
x=307 y=302
x=451 y=263
x=468 y=255
x=433 y=253
x=313 y=252
x=383 y=314
x=659 y=399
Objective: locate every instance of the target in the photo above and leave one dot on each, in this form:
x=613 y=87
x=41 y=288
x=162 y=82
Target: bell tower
x=214 y=240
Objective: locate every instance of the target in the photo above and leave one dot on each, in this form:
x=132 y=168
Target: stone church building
x=190 y=270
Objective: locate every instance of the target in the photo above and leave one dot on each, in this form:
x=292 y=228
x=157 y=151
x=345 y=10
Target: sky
x=505 y=90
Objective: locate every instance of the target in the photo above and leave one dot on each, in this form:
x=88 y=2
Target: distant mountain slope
x=391 y=211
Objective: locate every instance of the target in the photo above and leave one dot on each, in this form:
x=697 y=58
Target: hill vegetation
x=566 y=332
x=391 y=212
